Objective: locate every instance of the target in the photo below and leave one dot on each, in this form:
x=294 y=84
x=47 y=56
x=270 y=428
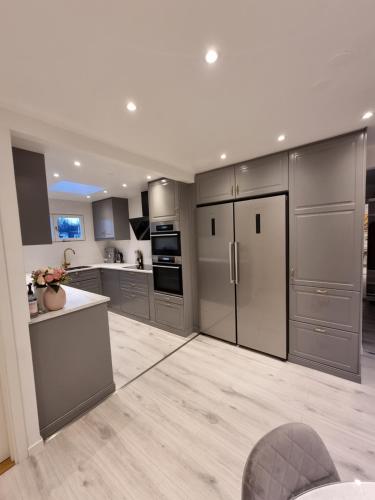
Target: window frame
x=54 y=230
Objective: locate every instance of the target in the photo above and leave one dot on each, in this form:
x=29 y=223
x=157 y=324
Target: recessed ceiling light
x=77 y=163
x=88 y=196
x=281 y=138
x=56 y=174
x=131 y=106
x=367 y=115
x=149 y=177
x=124 y=185
x=211 y=56
x=223 y=156
x=105 y=191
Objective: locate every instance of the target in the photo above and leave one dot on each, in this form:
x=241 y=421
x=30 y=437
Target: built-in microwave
x=165 y=239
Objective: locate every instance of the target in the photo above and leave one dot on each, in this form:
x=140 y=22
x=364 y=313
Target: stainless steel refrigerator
x=242 y=273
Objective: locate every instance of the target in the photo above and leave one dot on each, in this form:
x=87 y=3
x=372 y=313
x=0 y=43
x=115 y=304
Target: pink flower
x=49 y=278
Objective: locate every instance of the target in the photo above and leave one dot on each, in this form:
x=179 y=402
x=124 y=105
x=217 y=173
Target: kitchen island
x=72 y=359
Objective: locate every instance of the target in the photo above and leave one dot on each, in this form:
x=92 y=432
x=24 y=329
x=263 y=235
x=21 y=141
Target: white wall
x=88 y=251
x=128 y=247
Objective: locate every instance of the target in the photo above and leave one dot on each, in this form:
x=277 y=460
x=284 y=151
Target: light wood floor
x=136 y=347
x=183 y=430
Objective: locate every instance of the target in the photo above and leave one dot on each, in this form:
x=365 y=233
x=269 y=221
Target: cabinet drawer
x=162 y=297
x=169 y=313
x=323 y=306
x=328 y=346
x=135 y=304
x=133 y=277
x=83 y=275
x=92 y=285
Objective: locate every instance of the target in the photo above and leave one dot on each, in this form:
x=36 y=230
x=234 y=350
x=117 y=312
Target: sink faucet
x=66 y=262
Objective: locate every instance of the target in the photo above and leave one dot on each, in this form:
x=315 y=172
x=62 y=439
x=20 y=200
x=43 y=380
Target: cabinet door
x=216 y=185
x=262 y=176
x=163 y=199
x=111 y=287
x=102 y=214
x=32 y=196
x=327 y=346
x=136 y=304
x=90 y=285
x=169 y=314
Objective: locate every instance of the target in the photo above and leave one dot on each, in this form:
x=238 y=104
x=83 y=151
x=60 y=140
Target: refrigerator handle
x=231 y=279
x=236 y=274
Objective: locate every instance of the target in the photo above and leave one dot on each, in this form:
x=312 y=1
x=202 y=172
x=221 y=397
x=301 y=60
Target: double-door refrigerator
x=242 y=264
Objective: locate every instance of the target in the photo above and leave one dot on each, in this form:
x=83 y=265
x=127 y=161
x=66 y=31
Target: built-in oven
x=167 y=273
x=165 y=239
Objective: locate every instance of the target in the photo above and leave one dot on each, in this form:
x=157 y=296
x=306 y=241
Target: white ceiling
x=300 y=67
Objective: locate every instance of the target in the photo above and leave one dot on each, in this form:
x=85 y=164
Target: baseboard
x=354 y=377
x=36 y=447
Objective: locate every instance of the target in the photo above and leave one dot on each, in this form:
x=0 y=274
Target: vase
x=39 y=292
x=54 y=300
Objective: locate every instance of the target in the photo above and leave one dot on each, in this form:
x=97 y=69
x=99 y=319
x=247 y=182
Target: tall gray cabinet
x=326 y=200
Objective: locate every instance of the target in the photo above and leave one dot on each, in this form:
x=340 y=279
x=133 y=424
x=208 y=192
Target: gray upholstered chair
x=286 y=462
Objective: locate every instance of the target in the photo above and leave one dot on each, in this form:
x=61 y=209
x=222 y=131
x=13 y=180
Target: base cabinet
x=169 y=311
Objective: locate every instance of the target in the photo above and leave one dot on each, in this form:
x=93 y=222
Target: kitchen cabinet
x=262 y=176
x=135 y=294
x=111 y=287
x=169 y=311
x=337 y=349
x=111 y=219
x=88 y=281
x=32 y=196
x=215 y=185
x=163 y=198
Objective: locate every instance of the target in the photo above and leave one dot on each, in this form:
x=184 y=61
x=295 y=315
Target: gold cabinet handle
x=322 y=291
x=319 y=330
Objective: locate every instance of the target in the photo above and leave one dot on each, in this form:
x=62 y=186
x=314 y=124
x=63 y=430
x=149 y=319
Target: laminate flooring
x=184 y=428
x=136 y=347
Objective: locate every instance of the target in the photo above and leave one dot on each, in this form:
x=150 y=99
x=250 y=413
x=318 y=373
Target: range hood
x=141 y=225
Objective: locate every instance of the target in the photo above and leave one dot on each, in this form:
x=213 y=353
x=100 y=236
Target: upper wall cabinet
x=111 y=219
x=163 y=199
x=262 y=176
x=215 y=185
x=32 y=195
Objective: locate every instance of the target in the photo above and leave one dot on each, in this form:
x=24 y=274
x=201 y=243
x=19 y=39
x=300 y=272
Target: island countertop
x=75 y=301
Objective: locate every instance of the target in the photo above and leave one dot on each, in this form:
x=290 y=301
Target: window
x=67 y=227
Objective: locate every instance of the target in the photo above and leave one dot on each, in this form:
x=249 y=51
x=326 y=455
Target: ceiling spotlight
x=223 y=156
x=367 y=115
x=105 y=191
x=77 y=163
x=149 y=177
x=211 y=56
x=56 y=174
x=131 y=106
x=281 y=138
x=88 y=196
x=124 y=185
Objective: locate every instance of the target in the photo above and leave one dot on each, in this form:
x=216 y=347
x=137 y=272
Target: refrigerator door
x=261 y=274
x=217 y=315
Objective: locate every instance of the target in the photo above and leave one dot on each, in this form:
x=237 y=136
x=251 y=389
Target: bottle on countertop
x=33 y=303
x=139 y=259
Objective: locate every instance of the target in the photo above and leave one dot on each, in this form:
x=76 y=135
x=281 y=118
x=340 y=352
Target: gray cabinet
x=135 y=294
x=326 y=307
x=326 y=200
x=111 y=287
x=169 y=311
x=88 y=281
x=32 y=196
x=262 y=176
x=163 y=199
x=215 y=185
x=111 y=219
x=327 y=346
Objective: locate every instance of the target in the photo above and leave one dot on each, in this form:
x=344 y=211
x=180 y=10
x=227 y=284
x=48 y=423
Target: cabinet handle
x=322 y=291
x=237 y=189
x=232 y=190
x=292 y=273
x=319 y=330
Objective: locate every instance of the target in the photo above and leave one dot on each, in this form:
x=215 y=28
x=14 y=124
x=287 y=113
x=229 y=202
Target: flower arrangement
x=50 y=276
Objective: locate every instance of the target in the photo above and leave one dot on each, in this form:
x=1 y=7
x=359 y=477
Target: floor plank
x=183 y=430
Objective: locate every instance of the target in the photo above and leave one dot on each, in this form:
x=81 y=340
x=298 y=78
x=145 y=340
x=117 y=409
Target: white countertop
x=75 y=301
x=118 y=267
x=341 y=491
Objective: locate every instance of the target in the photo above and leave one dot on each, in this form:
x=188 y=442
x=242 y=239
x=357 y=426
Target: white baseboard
x=36 y=447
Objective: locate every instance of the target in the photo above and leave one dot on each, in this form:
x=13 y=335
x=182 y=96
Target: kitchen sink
x=77 y=267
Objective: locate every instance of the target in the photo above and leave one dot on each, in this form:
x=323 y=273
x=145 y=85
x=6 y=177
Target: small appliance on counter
x=110 y=255
x=119 y=259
